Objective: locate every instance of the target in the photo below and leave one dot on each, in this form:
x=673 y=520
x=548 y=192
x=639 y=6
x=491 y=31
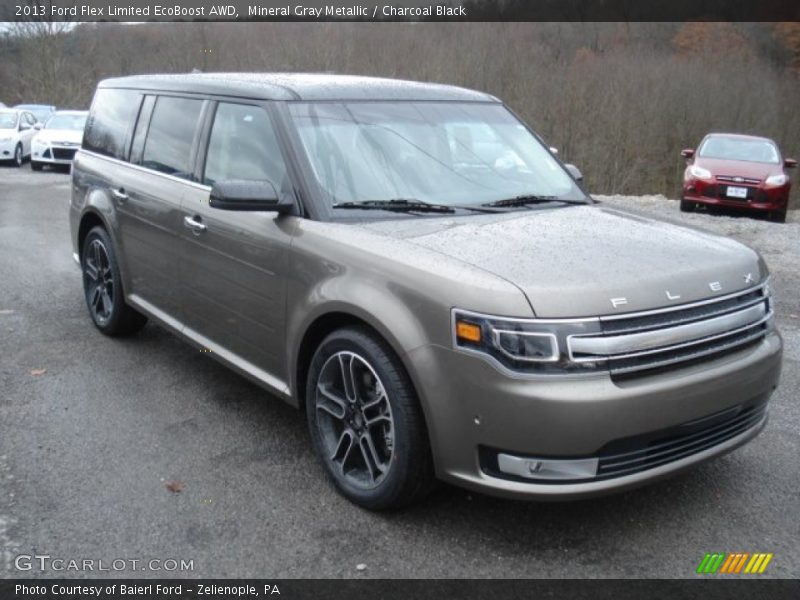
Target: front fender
x=365 y=299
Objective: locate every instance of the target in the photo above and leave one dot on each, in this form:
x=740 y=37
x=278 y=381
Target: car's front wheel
x=18 y=155
x=365 y=421
x=36 y=166
x=102 y=287
x=688 y=206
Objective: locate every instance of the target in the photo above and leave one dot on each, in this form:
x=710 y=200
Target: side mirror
x=790 y=163
x=575 y=172
x=38 y=126
x=248 y=196
x=687 y=153
x=24 y=126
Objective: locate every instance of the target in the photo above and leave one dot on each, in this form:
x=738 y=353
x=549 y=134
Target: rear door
x=234 y=264
x=148 y=199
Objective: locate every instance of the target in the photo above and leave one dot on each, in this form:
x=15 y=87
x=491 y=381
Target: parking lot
x=94 y=431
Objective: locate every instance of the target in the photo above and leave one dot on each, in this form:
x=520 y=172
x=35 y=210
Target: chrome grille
x=737 y=179
x=665 y=450
x=655 y=339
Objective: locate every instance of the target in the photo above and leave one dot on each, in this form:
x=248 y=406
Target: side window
x=173 y=126
x=243 y=145
x=108 y=126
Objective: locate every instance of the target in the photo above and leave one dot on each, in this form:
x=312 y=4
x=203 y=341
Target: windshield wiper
x=532 y=199
x=411 y=205
x=397 y=205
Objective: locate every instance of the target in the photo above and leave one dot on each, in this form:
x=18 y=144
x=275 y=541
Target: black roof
x=297 y=86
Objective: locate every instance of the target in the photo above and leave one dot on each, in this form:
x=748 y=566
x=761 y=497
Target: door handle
x=120 y=194
x=196 y=226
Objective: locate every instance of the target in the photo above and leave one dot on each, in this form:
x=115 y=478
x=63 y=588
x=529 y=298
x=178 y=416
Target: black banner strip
x=711 y=588
x=400 y=10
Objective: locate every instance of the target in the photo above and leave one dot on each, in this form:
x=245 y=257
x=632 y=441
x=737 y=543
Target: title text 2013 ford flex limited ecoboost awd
x=411 y=266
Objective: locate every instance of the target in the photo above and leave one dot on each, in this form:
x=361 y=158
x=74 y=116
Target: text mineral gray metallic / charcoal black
x=415 y=269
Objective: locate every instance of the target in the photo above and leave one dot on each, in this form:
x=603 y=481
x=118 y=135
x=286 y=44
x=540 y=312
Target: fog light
x=546 y=468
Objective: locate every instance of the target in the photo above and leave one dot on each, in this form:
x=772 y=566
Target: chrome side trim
x=123 y=163
x=636 y=344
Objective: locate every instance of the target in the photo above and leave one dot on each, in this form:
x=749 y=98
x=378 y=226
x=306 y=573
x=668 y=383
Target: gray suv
x=414 y=269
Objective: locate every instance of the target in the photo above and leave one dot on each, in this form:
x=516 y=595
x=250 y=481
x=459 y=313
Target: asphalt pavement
x=146 y=449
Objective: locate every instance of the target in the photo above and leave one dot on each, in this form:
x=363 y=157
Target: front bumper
x=54 y=154
x=475 y=407
x=759 y=197
x=7 y=150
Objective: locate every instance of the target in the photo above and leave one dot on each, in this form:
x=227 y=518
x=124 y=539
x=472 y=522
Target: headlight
x=525 y=345
x=776 y=179
x=699 y=172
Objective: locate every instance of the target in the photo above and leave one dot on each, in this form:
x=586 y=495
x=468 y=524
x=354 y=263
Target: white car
x=16 y=133
x=57 y=142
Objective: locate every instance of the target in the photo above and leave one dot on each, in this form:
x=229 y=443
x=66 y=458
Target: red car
x=738 y=171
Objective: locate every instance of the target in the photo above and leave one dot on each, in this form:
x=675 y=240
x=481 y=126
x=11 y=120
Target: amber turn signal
x=468 y=332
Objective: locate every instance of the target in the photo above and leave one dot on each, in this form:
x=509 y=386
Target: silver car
x=414 y=269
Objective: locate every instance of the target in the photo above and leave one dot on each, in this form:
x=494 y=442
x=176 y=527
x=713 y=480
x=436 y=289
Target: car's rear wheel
x=18 y=155
x=365 y=421
x=688 y=206
x=36 y=166
x=102 y=287
x=778 y=216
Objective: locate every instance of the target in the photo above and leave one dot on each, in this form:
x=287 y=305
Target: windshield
x=728 y=148
x=8 y=120
x=40 y=112
x=438 y=152
x=75 y=122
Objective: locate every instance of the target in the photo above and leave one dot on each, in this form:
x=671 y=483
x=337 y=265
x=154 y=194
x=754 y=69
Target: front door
x=234 y=264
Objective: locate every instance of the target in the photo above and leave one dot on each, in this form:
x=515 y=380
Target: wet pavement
x=96 y=432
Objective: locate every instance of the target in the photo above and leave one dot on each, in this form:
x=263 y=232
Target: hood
x=72 y=136
x=742 y=168
x=572 y=261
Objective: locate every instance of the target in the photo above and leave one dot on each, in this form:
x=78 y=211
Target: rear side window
x=168 y=147
x=110 y=120
x=243 y=145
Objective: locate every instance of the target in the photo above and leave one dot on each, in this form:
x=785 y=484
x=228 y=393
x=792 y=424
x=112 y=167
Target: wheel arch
x=324 y=323
x=89 y=220
x=98 y=209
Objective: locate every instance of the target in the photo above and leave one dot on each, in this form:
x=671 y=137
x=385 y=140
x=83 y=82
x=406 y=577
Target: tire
x=36 y=166
x=18 y=158
x=374 y=446
x=687 y=206
x=102 y=287
x=778 y=216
